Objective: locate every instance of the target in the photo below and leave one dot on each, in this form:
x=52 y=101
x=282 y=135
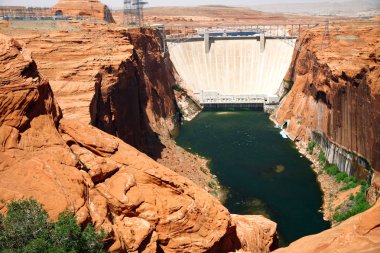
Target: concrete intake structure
x=232 y=66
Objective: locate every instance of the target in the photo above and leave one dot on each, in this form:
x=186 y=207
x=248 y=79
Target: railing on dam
x=213 y=97
x=178 y=34
x=288 y=33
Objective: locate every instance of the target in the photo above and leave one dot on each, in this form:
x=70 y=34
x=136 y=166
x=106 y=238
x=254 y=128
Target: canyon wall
x=118 y=80
x=335 y=96
x=67 y=164
x=115 y=79
x=233 y=66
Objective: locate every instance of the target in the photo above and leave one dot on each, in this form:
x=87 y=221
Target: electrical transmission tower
x=133 y=12
x=326 y=35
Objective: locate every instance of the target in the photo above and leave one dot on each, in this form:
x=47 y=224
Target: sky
x=119 y=3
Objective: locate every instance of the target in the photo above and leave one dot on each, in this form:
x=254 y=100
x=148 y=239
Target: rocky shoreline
x=192 y=166
x=329 y=187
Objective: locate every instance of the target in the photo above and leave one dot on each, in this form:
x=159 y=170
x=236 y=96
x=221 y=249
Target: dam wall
x=232 y=66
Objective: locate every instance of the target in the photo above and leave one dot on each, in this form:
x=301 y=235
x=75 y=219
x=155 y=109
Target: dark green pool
x=263 y=172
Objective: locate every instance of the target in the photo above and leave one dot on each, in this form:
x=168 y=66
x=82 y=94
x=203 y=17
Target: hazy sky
x=119 y=3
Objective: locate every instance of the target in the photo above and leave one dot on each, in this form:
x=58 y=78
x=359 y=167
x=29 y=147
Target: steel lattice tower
x=133 y=12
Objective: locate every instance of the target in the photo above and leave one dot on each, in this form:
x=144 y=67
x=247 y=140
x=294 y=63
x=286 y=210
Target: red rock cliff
x=335 y=97
x=113 y=78
x=67 y=164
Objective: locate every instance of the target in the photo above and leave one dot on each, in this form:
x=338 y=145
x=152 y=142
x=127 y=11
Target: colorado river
x=263 y=172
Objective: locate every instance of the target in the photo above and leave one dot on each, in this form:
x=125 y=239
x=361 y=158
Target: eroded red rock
x=360 y=233
x=67 y=164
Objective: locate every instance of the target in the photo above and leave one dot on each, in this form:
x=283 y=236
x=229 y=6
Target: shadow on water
x=263 y=172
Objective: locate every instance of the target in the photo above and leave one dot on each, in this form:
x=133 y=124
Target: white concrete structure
x=232 y=66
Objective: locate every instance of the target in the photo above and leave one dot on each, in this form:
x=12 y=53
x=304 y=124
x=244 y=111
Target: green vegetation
x=355 y=205
x=26 y=228
x=212 y=184
x=349 y=181
x=178 y=88
x=310 y=147
x=203 y=169
x=288 y=82
x=349 y=186
x=214 y=192
x=332 y=170
x=322 y=158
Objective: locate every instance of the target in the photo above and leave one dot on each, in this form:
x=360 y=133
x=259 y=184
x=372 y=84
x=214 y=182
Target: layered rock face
x=68 y=164
x=118 y=80
x=335 y=98
x=84 y=8
x=115 y=79
x=360 y=233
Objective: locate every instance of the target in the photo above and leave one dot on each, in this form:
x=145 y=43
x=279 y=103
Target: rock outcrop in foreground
x=67 y=164
x=360 y=233
x=84 y=8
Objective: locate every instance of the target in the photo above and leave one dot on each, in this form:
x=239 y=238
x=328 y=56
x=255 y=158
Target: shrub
x=349 y=179
x=26 y=228
x=322 y=158
x=340 y=176
x=364 y=186
x=359 y=205
x=203 y=169
x=332 y=171
x=310 y=147
x=349 y=186
x=178 y=88
x=213 y=192
x=25 y=221
x=212 y=184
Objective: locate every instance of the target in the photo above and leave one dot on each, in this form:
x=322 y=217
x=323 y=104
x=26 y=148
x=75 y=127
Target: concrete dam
x=233 y=70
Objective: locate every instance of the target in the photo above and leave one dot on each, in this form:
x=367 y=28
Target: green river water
x=263 y=172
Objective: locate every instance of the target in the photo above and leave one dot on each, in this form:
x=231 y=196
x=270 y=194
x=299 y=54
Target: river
x=262 y=171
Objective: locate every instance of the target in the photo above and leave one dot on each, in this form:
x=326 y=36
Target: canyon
x=88 y=112
x=66 y=164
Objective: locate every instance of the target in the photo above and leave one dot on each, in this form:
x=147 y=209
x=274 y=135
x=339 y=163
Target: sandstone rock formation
x=121 y=83
x=84 y=8
x=67 y=164
x=360 y=233
x=249 y=233
x=115 y=79
x=336 y=94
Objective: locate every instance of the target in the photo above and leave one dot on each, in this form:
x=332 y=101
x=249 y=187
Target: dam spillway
x=233 y=68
